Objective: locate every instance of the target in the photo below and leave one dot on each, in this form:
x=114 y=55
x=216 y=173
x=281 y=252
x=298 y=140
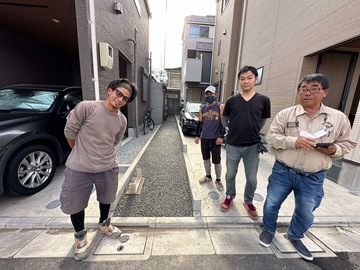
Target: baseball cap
x=210 y=88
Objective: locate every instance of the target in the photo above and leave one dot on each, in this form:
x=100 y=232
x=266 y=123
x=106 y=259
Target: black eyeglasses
x=119 y=94
x=312 y=90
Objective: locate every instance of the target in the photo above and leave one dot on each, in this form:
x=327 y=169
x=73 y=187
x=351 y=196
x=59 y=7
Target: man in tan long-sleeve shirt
x=93 y=129
x=304 y=140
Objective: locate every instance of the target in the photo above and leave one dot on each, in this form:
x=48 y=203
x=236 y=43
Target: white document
x=316 y=135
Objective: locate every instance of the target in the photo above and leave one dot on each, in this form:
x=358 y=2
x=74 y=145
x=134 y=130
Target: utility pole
x=163 y=72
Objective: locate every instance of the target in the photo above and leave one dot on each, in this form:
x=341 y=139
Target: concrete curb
x=168 y=222
x=195 y=196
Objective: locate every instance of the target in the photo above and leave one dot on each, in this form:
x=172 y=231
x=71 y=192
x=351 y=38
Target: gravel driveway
x=166 y=190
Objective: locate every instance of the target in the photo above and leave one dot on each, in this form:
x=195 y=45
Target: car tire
x=183 y=129
x=30 y=170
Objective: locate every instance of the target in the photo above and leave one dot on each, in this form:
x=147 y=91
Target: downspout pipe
x=136 y=82
x=95 y=78
x=222 y=65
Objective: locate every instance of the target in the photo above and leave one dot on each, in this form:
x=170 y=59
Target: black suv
x=32 y=141
x=189 y=116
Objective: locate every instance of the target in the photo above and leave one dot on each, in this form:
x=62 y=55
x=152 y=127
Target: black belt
x=293 y=170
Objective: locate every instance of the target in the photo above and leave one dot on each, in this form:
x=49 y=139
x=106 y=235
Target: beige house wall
x=228 y=32
x=287 y=37
x=355 y=133
x=192 y=87
x=279 y=34
x=174 y=78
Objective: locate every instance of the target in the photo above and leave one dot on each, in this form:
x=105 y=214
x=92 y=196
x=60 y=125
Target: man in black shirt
x=245 y=114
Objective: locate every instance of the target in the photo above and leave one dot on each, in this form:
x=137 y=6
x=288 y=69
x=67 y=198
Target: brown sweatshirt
x=96 y=132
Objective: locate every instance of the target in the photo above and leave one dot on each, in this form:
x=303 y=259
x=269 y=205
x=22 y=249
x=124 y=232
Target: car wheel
x=31 y=170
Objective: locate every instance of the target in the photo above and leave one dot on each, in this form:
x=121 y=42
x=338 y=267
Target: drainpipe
x=222 y=65
x=150 y=74
x=136 y=81
x=95 y=78
x=241 y=40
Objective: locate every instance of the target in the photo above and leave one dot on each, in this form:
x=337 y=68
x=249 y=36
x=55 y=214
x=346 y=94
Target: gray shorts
x=77 y=187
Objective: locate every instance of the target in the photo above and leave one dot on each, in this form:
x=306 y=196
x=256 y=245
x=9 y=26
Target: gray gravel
x=127 y=152
x=166 y=190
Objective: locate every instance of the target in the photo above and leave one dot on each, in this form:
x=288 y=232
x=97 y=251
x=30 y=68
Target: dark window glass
x=219 y=47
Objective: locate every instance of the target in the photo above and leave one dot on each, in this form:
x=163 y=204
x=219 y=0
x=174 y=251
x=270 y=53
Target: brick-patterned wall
x=84 y=45
x=116 y=30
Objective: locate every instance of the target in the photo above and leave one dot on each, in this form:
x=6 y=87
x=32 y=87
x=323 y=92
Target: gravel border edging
x=196 y=199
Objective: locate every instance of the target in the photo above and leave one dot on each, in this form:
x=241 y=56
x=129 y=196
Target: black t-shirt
x=245 y=118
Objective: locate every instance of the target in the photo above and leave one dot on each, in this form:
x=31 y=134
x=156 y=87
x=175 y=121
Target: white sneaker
x=82 y=246
x=108 y=229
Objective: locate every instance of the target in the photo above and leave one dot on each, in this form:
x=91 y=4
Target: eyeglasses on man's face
x=312 y=90
x=119 y=94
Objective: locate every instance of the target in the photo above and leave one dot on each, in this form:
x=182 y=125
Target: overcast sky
x=166 y=28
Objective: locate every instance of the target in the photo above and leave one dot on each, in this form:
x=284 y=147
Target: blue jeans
x=308 y=192
x=250 y=156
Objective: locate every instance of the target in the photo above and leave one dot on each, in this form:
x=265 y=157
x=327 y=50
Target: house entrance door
x=338 y=67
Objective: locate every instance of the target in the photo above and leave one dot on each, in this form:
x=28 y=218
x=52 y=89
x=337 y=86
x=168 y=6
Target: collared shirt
x=285 y=130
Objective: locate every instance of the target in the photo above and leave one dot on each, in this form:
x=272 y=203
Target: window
x=191 y=54
x=219 y=47
x=199 y=31
x=71 y=100
x=138 y=7
x=26 y=99
x=204 y=32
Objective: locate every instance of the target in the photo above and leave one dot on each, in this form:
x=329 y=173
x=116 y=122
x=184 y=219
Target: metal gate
x=173 y=106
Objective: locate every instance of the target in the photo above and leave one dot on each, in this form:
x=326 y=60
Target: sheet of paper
x=316 y=135
x=320 y=133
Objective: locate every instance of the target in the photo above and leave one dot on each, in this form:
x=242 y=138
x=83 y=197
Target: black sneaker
x=265 y=238
x=300 y=248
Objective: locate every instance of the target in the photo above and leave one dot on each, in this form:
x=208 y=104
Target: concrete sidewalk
x=34 y=227
x=338 y=207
